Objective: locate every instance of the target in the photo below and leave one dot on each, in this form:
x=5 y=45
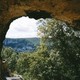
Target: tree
x=57 y=36
x=10 y=56
x=57 y=57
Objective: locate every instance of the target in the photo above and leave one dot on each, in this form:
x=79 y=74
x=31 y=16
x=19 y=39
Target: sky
x=23 y=27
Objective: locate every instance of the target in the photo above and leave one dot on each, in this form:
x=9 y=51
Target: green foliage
x=59 y=37
x=6 y=52
x=35 y=41
x=57 y=57
x=10 y=57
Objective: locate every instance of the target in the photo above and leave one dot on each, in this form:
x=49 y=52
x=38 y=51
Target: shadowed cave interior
x=38 y=14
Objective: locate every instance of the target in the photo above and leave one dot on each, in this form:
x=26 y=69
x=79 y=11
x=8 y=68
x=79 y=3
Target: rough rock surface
x=66 y=10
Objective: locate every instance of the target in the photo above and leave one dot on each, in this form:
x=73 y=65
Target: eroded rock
x=65 y=10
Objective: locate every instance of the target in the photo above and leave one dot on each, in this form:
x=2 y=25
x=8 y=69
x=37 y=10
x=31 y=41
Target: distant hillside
x=35 y=41
x=22 y=44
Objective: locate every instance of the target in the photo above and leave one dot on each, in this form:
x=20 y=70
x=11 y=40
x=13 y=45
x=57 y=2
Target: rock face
x=66 y=10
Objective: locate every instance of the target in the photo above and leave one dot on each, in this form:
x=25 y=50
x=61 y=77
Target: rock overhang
x=65 y=10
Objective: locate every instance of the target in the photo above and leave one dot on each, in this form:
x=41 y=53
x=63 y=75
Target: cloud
x=23 y=27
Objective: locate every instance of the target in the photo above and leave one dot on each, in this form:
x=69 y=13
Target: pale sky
x=23 y=27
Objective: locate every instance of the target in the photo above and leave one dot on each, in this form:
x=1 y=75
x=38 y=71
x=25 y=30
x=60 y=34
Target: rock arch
x=66 y=10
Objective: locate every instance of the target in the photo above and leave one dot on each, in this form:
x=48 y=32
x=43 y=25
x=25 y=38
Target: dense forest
x=22 y=44
x=57 y=57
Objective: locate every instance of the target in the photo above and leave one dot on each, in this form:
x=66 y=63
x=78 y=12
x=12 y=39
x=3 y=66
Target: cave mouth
x=23 y=32
x=38 y=14
x=31 y=14
x=8 y=52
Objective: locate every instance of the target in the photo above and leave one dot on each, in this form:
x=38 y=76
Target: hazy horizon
x=22 y=38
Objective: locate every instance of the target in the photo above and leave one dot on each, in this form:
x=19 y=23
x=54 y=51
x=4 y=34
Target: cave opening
x=32 y=17
x=20 y=38
x=22 y=34
x=15 y=34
